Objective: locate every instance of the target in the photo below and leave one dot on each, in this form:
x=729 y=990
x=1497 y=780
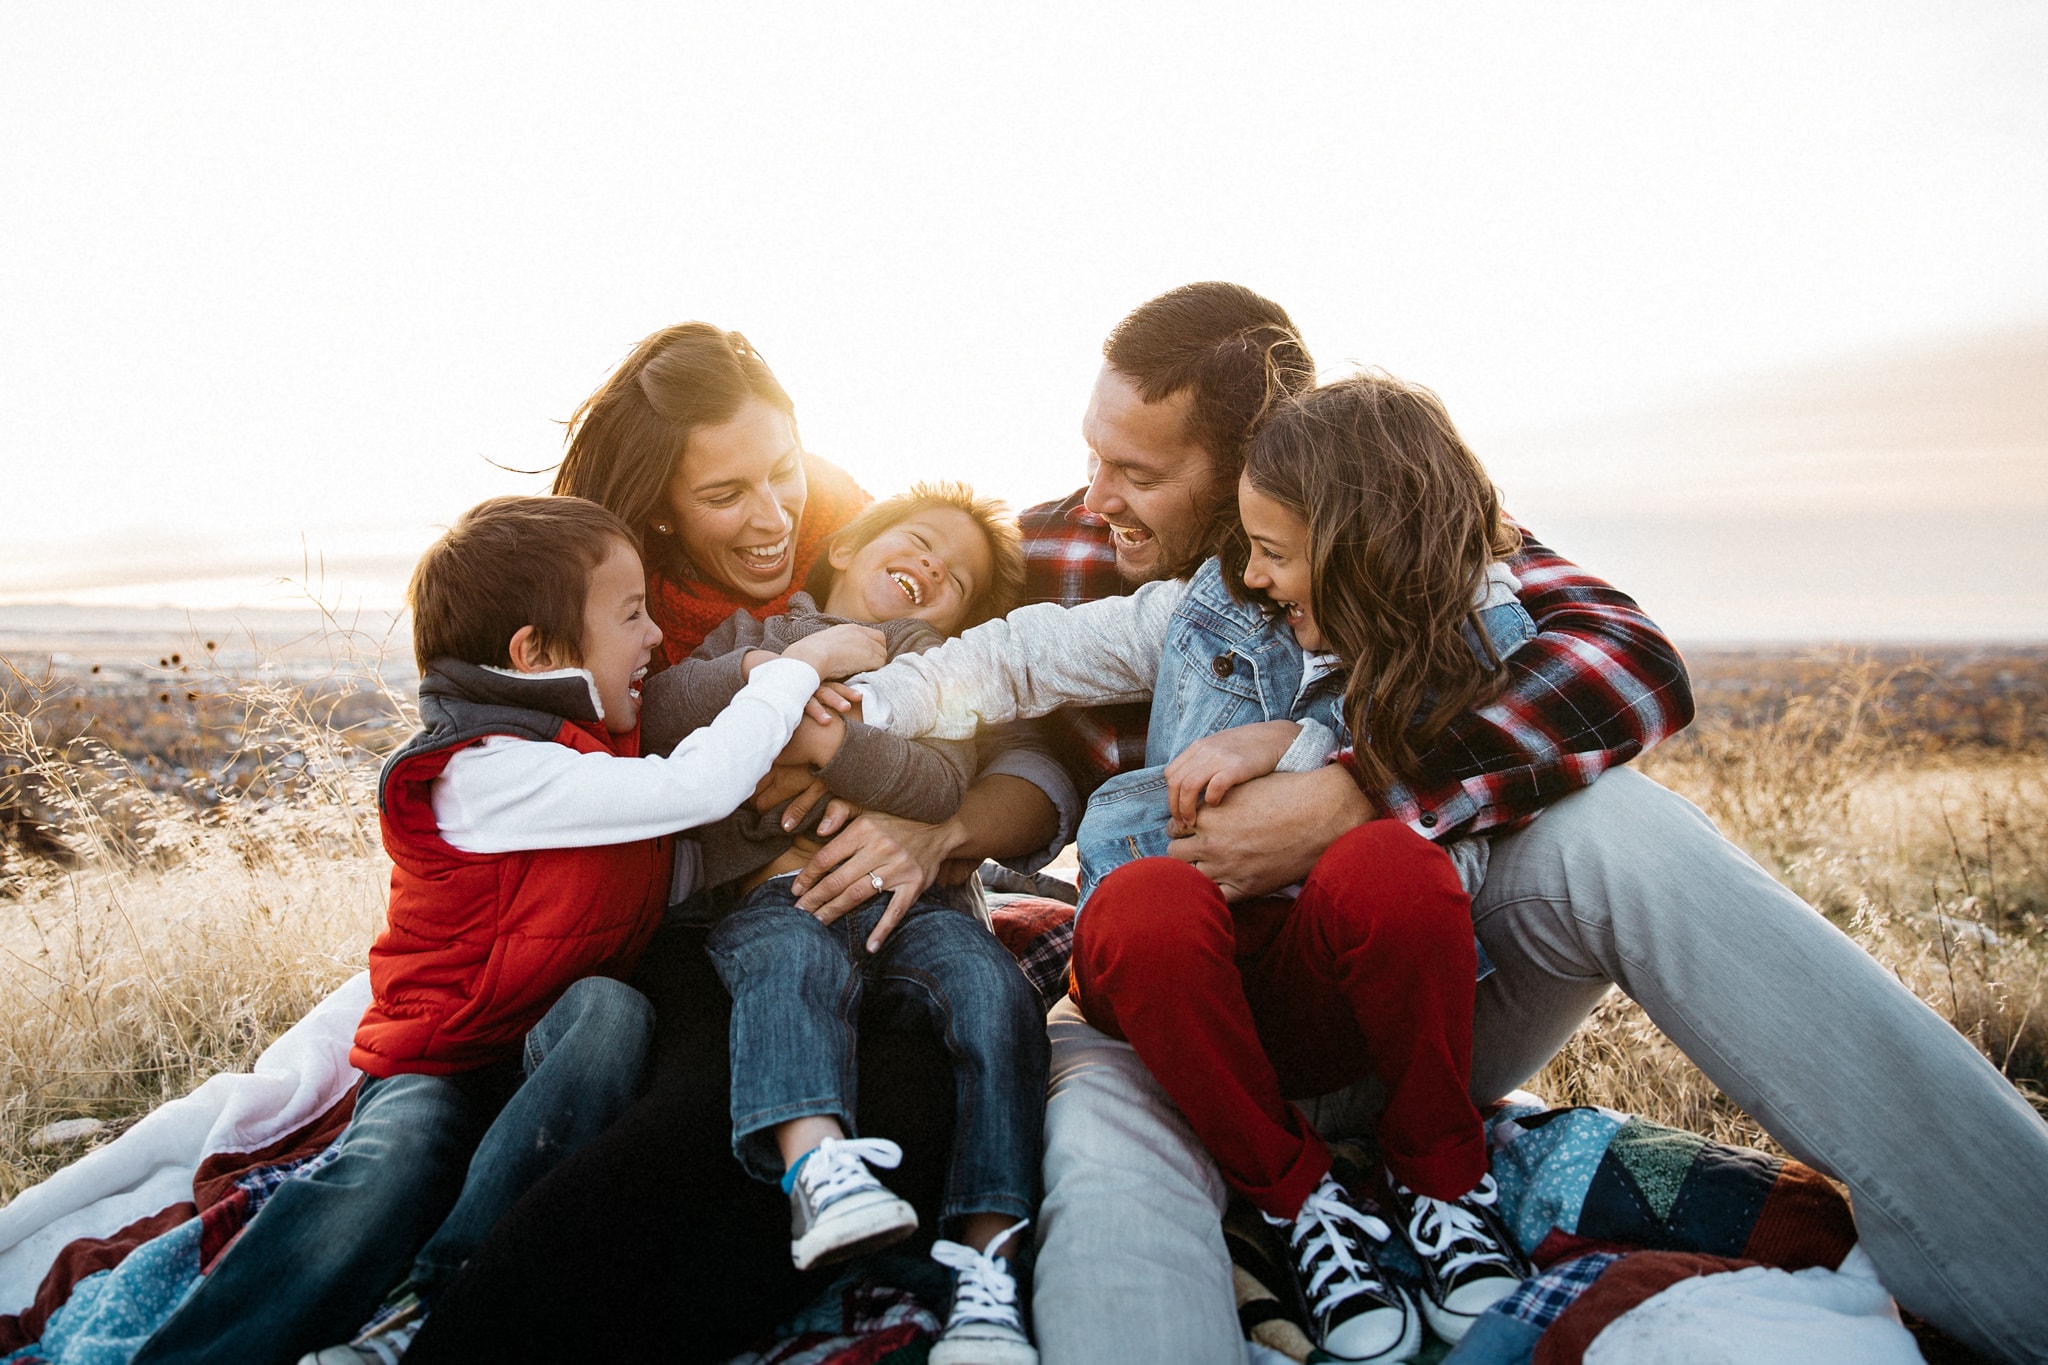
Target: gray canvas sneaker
x=837 y=1209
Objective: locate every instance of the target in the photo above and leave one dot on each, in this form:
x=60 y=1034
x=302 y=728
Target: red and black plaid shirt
x=1598 y=685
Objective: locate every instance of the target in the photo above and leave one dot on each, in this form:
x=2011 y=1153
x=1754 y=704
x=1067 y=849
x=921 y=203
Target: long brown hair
x=1402 y=524
x=627 y=439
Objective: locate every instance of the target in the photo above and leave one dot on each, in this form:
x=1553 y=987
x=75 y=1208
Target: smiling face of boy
x=933 y=564
x=617 y=641
x=618 y=635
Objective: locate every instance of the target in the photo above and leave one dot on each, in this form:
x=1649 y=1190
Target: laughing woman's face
x=736 y=497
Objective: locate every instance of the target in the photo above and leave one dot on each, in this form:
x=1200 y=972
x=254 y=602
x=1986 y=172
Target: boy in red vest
x=532 y=857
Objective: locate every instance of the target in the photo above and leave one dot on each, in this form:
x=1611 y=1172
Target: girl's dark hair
x=627 y=439
x=1402 y=524
x=507 y=563
x=1005 y=543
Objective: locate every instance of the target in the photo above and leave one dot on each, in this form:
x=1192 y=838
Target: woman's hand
x=904 y=854
x=1212 y=765
x=838 y=651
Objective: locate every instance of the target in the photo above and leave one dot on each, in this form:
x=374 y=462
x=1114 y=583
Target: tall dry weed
x=154 y=938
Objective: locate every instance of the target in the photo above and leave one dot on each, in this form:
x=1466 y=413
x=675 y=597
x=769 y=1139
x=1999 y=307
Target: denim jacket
x=1227 y=663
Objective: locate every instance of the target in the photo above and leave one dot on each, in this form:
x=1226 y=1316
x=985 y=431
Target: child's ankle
x=977 y=1230
x=798 y=1138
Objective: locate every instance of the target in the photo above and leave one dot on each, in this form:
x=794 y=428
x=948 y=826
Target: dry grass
x=170 y=938
x=1935 y=859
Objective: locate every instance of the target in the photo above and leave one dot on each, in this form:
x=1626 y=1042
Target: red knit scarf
x=688 y=609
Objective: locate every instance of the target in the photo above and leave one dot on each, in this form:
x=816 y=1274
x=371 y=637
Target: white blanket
x=150 y=1167
x=1763 y=1316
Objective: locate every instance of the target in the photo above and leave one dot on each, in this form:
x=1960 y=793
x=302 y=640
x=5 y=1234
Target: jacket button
x=1221 y=666
x=1429 y=819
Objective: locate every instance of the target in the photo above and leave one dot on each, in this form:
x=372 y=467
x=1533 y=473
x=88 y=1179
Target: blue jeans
x=797 y=987
x=425 y=1167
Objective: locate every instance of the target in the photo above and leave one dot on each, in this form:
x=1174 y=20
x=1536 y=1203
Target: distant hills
x=1898 y=495
x=130 y=642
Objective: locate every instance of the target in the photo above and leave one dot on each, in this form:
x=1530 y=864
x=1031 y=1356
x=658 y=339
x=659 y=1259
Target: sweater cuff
x=1314 y=747
x=1043 y=772
x=873 y=768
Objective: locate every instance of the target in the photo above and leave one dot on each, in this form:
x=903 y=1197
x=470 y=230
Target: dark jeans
x=421 y=1153
x=651 y=1243
x=797 y=989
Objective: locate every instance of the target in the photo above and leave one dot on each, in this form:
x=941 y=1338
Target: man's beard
x=1167 y=558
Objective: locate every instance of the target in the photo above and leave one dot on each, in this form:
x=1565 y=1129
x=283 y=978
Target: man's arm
x=1031 y=662
x=1597 y=685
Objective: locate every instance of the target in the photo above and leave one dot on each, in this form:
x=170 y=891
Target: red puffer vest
x=478 y=946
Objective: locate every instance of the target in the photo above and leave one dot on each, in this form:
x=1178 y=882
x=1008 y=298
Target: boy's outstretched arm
x=506 y=794
x=689 y=694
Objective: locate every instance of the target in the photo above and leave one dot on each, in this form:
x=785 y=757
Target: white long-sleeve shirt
x=506 y=793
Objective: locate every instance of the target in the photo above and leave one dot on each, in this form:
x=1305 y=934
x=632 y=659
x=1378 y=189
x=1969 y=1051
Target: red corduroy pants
x=1232 y=1008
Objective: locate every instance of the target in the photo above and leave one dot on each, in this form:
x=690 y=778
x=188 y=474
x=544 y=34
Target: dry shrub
x=148 y=940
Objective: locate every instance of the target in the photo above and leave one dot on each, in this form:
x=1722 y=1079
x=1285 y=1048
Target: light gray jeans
x=1626 y=884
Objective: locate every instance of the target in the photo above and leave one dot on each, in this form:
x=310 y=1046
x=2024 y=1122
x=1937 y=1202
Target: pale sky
x=282 y=282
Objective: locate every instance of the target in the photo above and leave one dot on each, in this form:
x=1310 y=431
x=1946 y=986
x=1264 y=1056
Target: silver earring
x=663 y=528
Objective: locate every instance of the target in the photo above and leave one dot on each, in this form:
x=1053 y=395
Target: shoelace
x=1319 y=1231
x=389 y=1335
x=1437 y=1225
x=392 y=1347
x=840 y=1166
x=985 y=1291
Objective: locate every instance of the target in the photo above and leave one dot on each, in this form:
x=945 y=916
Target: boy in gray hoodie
x=920 y=567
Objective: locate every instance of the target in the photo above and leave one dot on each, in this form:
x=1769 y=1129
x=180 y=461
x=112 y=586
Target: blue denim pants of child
x=424 y=1169
x=798 y=987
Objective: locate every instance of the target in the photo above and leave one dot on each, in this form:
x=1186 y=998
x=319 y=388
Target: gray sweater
x=921 y=780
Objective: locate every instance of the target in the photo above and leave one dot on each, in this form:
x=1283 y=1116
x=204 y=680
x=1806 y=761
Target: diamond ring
x=875 y=880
